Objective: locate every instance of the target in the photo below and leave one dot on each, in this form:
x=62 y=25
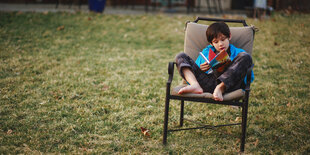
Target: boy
x=198 y=75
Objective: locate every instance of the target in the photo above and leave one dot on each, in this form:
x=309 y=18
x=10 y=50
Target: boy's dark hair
x=215 y=29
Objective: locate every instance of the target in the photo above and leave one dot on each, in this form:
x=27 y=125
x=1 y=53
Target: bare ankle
x=218 y=92
x=194 y=88
x=221 y=87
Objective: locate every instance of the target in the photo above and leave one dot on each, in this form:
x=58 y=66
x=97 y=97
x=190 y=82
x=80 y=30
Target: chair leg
x=182 y=113
x=244 y=124
x=146 y=5
x=166 y=120
x=209 y=7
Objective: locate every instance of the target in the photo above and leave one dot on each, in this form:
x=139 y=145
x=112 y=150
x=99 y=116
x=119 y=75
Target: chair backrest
x=196 y=40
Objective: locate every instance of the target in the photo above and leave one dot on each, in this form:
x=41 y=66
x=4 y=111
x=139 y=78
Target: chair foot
x=165 y=132
x=182 y=113
x=244 y=124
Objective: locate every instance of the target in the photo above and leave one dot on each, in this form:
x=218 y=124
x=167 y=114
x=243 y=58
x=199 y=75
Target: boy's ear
x=229 y=36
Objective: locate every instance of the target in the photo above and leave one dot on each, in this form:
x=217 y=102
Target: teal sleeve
x=200 y=60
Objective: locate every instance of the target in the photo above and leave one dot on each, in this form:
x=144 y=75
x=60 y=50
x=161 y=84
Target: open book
x=220 y=62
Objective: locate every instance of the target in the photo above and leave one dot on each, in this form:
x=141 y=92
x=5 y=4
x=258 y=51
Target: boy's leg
x=233 y=77
x=188 y=69
x=194 y=86
x=218 y=92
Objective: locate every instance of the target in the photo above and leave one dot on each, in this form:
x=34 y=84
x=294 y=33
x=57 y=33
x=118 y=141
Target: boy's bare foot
x=218 y=92
x=195 y=88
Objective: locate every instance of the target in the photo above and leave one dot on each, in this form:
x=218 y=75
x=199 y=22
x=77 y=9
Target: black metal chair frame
x=243 y=103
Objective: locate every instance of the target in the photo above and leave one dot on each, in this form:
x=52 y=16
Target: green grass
x=90 y=86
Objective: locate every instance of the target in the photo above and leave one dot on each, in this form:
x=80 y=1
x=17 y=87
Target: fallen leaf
x=19 y=13
x=89 y=18
x=9 y=132
x=175 y=123
x=75 y=96
x=229 y=132
x=105 y=87
x=256 y=142
x=57 y=95
x=60 y=28
x=238 y=119
x=234 y=107
x=289 y=104
x=46 y=33
x=145 y=132
x=83 y=149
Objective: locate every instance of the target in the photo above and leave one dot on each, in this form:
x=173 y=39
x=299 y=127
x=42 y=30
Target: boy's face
x=221 y=42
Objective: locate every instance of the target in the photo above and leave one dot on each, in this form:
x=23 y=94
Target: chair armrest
x=170 y=72
x=248 y=79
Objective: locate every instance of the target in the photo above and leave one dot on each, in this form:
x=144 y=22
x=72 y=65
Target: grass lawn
x=74 y=83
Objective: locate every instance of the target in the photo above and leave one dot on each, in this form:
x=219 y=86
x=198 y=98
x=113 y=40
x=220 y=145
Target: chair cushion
x=196 y=40
x=235 y=95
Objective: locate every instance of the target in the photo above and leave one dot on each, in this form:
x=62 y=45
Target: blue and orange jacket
x=234 y=51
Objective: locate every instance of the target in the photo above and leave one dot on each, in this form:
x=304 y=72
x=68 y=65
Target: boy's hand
x=205 y=66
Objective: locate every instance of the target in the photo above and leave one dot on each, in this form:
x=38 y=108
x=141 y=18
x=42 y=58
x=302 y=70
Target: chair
x=195 y=41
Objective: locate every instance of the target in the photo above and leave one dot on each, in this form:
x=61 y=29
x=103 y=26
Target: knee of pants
x=180 y=55
x=245 y=56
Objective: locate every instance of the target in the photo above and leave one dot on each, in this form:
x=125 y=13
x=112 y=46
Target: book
x=219 y=62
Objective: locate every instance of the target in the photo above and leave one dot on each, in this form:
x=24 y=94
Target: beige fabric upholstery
x=196 y=41
x=235 y=95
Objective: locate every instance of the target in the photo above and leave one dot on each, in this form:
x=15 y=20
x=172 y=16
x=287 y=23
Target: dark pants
x=233 y=76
